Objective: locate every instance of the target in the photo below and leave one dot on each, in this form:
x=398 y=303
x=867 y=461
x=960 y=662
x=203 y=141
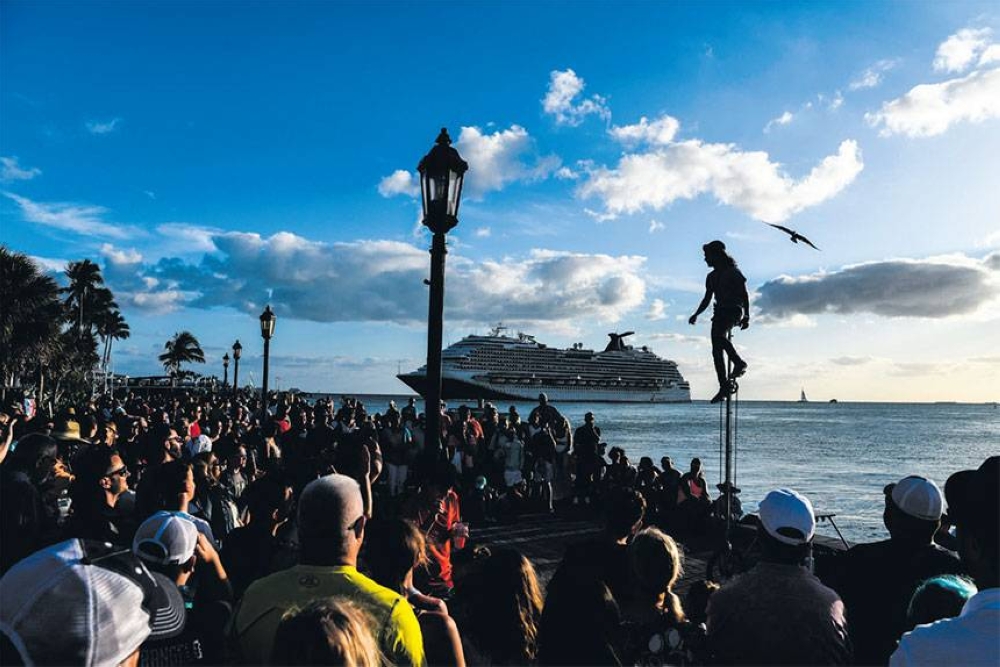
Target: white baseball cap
x=84 y=603
x=166 y=538
x=918 y=497
x=788 y=516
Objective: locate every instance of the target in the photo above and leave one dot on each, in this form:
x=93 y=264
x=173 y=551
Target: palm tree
x=183 y=348
x=30 y=312
x=84 y=278
x=111 y=327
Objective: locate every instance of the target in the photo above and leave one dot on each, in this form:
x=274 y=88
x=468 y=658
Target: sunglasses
x=123 y=472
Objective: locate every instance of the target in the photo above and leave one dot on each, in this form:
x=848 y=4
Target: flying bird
x=794 y=235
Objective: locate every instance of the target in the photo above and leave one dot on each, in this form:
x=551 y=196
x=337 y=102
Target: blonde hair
x=657 y=564
x=327 y=631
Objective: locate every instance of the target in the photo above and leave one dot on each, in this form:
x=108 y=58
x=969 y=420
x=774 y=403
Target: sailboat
x=802 y=398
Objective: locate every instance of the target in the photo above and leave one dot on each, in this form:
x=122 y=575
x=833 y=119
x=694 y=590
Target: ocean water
x=839 y=455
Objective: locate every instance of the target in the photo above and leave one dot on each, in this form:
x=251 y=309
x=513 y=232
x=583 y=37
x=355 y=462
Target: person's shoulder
x=374 y=592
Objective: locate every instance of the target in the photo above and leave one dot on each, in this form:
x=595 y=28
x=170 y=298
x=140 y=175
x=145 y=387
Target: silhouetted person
x=732 y=307
x=970 y=639
x=878 y=579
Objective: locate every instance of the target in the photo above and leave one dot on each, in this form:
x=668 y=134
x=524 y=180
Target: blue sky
x=214 y=157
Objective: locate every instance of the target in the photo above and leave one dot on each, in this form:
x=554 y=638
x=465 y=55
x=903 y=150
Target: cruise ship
x=517 y=367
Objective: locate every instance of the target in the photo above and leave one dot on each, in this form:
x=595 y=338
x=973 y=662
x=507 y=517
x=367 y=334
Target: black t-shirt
x=728 y=285
x=876 y=582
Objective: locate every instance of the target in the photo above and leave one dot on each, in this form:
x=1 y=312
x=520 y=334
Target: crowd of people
x=199 y=528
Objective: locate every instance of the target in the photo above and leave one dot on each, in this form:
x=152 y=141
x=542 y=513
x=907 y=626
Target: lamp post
x=237 y=351
x=267 y=320
x=225 y=370
x=441 y=174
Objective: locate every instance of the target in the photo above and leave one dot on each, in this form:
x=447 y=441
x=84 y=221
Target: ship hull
x=454 y=388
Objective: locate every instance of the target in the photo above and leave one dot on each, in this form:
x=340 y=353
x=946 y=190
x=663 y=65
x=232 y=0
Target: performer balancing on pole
x=732 y=307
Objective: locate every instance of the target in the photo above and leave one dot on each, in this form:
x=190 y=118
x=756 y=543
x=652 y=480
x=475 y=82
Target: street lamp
x=267 y=319
x=441 y=174
x=237 y=351
x=225 y=370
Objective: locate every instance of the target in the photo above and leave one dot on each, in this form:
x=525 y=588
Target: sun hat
x=787 y=516
x=82 y=602
x=974 y=496
x=916 y=496
x=166 y=538
x=727 y=485
x=66 y=427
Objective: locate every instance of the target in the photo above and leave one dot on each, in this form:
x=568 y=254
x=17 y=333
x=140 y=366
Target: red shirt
x=437 y=528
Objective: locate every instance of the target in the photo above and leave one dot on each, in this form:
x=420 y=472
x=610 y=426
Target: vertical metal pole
x=727 y=495
x=236 y=378
x=435 y=324
x=225 y=375
x=267 y=354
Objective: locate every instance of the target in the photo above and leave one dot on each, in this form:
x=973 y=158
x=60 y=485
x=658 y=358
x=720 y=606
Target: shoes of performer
x=739 y=368
x=721 y=396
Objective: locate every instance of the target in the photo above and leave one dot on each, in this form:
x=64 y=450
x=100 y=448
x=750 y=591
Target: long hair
x=393 y=547
x=716 y=253
x=328 y=631
x=506 y=609
x=656 y=563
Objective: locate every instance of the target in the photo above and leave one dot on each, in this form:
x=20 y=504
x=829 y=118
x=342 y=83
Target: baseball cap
x=166 y=538
x=974 y=495
x=82 y=602
x=787 y=516
x=916 y=496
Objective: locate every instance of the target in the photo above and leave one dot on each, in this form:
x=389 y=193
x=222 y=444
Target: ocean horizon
x=840 y=455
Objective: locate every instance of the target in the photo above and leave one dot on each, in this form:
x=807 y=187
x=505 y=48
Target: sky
x=214 y=157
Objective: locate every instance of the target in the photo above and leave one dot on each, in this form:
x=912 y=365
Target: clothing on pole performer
x=732 y=307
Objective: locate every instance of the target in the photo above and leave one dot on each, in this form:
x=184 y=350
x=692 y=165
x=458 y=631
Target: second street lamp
x=441 y=174
x=237 y=352
x=267 y=320
x=225 y=370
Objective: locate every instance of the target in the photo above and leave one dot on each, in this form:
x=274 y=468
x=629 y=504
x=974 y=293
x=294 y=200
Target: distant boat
x=802 y=398
x=833 y=400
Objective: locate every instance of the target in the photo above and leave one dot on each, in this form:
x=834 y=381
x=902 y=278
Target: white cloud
x=149 y=193
x=656 y=226
x=107 y=127
x=560 y=100
x=188 y=238
x=495 y=161
x=400 y=182
x=379 y=280
x=50 y=264
x=960 y=50
x=934 y=287
x=657 y=310
x=81 y=219
x=501 y=158
x=746 y=180
x=930 y=109
x=872 y=76
x=990 y=55
x=484 y=232
x=836 y=102
x=783 y=119
x=660 y=132
x=117 y=256
x=12 y=171
x=566 y=174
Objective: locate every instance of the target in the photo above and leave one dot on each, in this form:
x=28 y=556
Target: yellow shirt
x=266 y=600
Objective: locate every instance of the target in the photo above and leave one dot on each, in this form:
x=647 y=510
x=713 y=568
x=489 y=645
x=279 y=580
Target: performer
x=732 y=306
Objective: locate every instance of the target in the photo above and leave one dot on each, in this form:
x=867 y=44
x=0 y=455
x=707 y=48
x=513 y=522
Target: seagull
x=794 y=235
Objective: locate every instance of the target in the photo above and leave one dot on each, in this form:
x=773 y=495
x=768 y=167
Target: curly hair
x=328 y=631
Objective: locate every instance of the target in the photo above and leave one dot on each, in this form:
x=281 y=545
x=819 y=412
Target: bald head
x=331 y=519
